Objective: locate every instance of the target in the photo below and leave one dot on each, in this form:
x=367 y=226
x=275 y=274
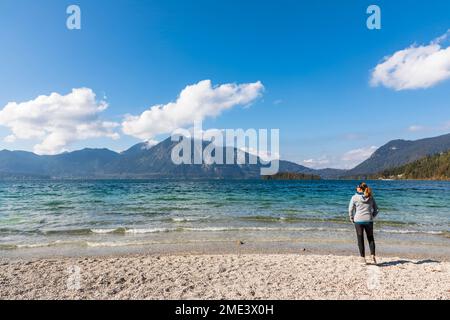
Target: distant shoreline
x=205 y=179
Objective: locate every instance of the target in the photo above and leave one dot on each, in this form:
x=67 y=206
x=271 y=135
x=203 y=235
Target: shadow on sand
x=399 y=262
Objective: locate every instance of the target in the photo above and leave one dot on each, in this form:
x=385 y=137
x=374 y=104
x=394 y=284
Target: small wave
x=170 y=209
x=210 y=229
x=406 y=231
x=122 y=230
x=291 y=219
x=116 y=244
x=16 y=231
x=150 y=230
x=270 y=219
x=292 y=211
x=336 y=220
x=46 y=244
x=66 y=232
x=237 y=229
x=55 y=203
x=103 y=231
x=8 y=246
x=68 y=243
x=34 y=245
x=172 y=198
x=224 y=229
x=188 y=219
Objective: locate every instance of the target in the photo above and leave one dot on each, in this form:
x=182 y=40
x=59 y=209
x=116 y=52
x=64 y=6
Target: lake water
x=122 y=213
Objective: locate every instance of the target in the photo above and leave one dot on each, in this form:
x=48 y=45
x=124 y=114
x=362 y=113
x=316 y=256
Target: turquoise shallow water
x=106 y=213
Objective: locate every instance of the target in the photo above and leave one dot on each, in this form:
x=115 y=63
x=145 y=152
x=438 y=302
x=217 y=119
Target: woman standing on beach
x=362 y=210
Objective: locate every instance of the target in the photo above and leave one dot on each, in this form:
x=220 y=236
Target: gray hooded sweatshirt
x=362 y=209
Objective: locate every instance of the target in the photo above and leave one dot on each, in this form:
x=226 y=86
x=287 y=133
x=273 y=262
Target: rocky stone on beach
x=121 y=280
x=222 y=269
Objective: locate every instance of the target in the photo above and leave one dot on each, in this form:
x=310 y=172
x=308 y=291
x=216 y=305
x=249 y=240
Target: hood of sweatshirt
x=362 y=197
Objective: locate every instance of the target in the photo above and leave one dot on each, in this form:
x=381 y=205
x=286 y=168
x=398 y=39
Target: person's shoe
x=363 y=260
x=374 y=260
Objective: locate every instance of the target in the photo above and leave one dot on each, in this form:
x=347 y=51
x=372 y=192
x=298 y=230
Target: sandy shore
x=229 y=276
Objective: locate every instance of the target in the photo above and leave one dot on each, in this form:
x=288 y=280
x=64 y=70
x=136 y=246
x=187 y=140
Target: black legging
x=360 y=235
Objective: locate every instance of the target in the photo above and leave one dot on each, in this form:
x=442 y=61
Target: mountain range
x=435 y=167
x=397 y=153
x=142 y=161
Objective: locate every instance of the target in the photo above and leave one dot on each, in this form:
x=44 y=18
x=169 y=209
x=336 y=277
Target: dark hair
x=365 y=188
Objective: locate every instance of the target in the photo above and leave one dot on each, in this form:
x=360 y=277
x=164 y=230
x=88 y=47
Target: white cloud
x=195 y=103
x=415 y=67
x=319 y=163
x=150 y=144
x=56 y=121
x=438 y=128
x=416 y=128
x=10 y=139
x=356 y=156
x=348 y=160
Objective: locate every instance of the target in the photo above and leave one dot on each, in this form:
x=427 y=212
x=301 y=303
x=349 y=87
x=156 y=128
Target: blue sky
x=314 y=60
